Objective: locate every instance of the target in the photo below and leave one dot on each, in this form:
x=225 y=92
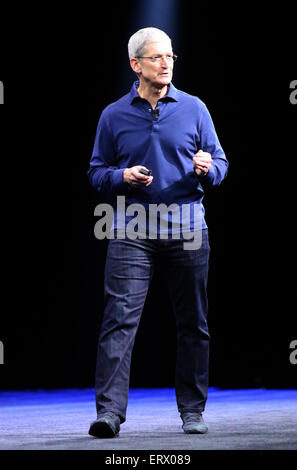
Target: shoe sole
x=195 y=431
x=102 y=430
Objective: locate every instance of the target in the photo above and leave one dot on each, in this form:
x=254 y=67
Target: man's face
x=158 y=72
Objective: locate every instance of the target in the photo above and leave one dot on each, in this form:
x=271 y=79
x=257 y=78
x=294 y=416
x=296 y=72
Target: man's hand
x=202 y=162
x=136 y=179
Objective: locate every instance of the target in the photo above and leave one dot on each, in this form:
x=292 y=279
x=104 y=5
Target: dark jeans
x=128 y=272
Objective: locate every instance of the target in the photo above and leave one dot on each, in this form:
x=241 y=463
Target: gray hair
x=139 y=40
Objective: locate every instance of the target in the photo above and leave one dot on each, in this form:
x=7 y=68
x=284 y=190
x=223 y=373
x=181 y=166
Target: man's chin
x=161 y=82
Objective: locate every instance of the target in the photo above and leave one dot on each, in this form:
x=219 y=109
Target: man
x=159 y=128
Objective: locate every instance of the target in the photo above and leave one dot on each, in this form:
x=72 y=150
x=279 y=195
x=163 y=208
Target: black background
x=60 y=69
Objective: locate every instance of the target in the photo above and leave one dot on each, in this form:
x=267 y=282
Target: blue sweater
x=130 y=133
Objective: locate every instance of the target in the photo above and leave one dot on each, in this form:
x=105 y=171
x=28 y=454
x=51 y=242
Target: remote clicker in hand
x=145 y=172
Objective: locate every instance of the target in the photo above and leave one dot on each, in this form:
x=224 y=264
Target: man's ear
x=135 y=65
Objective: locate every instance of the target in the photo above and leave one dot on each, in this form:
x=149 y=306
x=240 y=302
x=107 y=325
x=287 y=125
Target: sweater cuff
x=209 y=177
x=117 y=180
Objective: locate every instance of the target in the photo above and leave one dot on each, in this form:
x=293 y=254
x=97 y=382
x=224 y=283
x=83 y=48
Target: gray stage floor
x=238 y=420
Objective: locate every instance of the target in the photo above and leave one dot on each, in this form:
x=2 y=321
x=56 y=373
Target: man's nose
x=165 y=63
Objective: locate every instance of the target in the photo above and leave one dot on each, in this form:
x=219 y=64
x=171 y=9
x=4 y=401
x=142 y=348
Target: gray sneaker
x=106 y=425
x=193 y=423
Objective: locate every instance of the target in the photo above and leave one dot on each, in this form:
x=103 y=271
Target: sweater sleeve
x=210 y=143
x=103 y=173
